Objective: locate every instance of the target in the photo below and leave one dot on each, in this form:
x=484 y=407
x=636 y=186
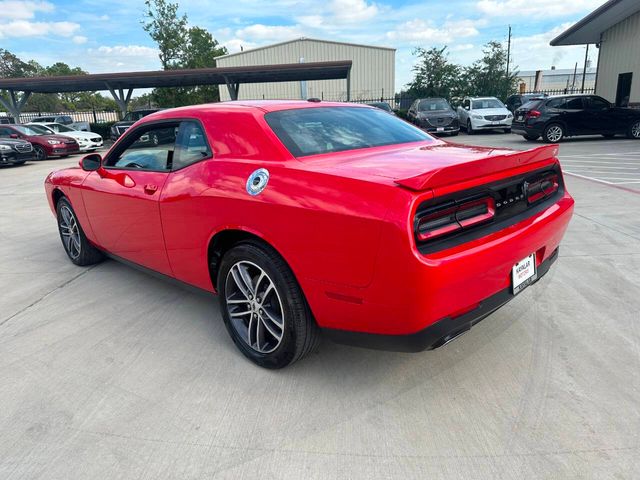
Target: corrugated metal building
x=615 y=29
x=372 y=73
x=567 y=79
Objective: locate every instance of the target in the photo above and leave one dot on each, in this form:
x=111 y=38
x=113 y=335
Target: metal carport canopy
x=232 y=77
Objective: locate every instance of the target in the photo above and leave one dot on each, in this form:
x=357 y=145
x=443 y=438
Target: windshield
x=31 y=130
x=433 y=105
x=42 y=129
x=487 y=103
x=61 y=128
x=134 y=116
x=310 y=131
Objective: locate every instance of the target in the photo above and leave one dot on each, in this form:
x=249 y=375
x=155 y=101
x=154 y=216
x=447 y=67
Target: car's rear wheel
x=634 y=130
x=39 y=152
x=470 y=130
x=531 y=138
x=263 y=306
x=553 y=133
x=74 y=241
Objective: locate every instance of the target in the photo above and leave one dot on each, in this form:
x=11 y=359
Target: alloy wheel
x=39 y=152
x=635 y=130
x=554 y=133
x=254 y=307
x=70 y=232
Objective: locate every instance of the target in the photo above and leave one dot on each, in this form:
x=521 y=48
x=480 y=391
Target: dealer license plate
x=440 y=129
x=524 y=273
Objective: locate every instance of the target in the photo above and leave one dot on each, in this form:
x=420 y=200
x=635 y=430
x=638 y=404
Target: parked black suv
x=15 y=151
x=129 y=119
x=434 y=115
x=555 y=118
x=516 y=101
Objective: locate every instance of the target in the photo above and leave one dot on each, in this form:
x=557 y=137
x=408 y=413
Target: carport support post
x=121 y=99
x=349 y=85
x=13 y=105
x=233 y=89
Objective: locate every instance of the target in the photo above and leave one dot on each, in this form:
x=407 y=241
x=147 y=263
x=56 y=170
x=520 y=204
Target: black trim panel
x=437 y=334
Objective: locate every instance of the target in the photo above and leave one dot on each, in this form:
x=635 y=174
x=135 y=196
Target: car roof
x=265 y=106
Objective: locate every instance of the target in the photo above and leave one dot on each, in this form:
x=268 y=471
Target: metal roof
x=304 y=39
x=589 y=29
x=181 y=78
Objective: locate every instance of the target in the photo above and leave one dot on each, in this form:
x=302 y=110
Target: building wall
x=372 y=73
x=620 y=53
x=559 y=79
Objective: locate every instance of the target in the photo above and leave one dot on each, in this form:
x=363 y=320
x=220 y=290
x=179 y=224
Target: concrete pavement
x=108 y=373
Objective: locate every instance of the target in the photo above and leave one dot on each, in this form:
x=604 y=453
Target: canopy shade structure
x=589 y=29
x=121 y=85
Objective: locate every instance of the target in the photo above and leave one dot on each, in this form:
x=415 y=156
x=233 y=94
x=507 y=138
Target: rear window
x=310 y=131
x=531 y=104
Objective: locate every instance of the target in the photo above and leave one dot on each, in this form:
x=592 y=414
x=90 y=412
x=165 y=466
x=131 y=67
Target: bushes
x=103 y=128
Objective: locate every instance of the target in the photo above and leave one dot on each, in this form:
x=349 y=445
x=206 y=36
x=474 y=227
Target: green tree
x=167 y=29
x=434 y=74
x=488 y=76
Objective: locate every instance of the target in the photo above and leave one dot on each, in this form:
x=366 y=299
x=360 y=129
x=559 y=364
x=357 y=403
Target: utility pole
x=584 y=71
x=507 y=92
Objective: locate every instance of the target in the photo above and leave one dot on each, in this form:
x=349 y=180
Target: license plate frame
x=523 y=273
x=439 y=129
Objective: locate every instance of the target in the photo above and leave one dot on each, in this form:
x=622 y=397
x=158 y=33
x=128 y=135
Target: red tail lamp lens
x=455 y=218
x=542 y=188
x=533 y=114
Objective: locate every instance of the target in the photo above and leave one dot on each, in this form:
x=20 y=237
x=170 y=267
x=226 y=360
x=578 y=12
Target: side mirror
x=14 y=135
x=466 y=107
x=91 y=162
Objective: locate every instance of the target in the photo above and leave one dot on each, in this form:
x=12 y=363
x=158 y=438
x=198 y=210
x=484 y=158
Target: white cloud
x=271 y=33
x=541 y=8
x=351 y=11
x=237 y=44
x=25 y=28
x=122 y=58
x=79 y=39
x=420 y=31
x=22 y=10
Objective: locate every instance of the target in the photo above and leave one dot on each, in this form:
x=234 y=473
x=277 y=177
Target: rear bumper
x=440 y=332
x=523 y=129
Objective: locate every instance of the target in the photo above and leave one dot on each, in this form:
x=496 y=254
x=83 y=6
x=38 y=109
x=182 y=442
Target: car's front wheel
x=74 y=241
x=553 y=133
x=470 y=130
x=634 y=130
x=263 y=306
x=39 y=152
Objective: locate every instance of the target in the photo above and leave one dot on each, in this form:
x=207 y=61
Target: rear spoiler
x=477 y=168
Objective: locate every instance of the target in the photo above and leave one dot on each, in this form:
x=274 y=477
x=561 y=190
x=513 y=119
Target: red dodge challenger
x=309 y=217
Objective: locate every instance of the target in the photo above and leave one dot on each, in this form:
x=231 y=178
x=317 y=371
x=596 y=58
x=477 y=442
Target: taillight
x=540 y=189
x=533 y=114
x=450 y=219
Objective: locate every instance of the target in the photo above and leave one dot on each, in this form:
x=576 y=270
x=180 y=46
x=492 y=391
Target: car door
x=602 y=118
x=412 y=112
x=572 y=114
x=122 y=198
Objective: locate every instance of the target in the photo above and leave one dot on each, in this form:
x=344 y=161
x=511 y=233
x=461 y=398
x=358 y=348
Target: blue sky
x=106 y=35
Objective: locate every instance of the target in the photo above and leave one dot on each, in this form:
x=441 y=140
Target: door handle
x=150 y=189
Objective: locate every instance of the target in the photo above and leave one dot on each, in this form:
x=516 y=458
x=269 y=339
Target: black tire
x=299 y=333
x=553 y=133
x=39 y=152
x=507 y=130
x=81 y=253
x=531 y=138
x=470 y=130
x=634 y=130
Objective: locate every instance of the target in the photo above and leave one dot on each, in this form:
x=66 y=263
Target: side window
x=150 y=148
x=65 y=120
x=5 y=132
x=191 y=145
x=574 y=104
x=597 y=103
x=556 y=103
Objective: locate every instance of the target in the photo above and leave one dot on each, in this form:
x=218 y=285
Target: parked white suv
x=484 y=113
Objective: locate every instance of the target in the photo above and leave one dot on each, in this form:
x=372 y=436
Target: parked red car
x=310 y=216
x=44 y=145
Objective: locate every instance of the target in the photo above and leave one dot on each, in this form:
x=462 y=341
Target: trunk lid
x=427 y=165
